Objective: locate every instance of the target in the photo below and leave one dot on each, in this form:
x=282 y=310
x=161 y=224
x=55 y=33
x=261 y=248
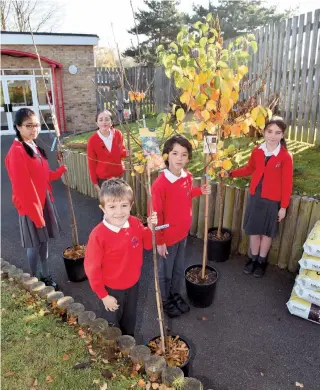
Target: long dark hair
x=21 y=116
x=107 y=112
x=176 y=139
x=278 y=120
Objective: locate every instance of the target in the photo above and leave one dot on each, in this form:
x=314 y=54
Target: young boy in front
x=172 y=194
x=114 y=254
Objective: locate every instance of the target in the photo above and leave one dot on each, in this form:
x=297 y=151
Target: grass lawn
x=39 y=350
x=305 y=156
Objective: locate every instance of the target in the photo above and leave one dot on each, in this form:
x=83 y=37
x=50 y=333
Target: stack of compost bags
x=305 y=298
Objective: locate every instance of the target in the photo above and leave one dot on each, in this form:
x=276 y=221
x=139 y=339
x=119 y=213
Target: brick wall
x=78 y=90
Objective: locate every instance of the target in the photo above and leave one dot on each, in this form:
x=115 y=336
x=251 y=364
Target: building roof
x=45 y=38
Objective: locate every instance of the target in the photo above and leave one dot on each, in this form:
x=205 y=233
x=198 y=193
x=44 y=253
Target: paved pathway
x=248 y=340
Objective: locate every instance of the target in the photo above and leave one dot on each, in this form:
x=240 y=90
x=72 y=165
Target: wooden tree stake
x=156 y=276
x=205 y=241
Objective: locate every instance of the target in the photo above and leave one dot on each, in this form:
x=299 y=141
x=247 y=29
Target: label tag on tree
x=151 y=150
x=161 y=227
x=210 y=144
x=53 y=144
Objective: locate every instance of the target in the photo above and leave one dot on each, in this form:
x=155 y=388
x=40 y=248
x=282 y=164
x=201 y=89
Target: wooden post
x=217 y=207
x=288 y=231
x=201 y=214
x=244 y=239
x=236 y=219
x=315 y=215
x=228 y=207
x=195 y=209
x=212 y=204
x=300 y=234
x=156 y=275
x=273 y=254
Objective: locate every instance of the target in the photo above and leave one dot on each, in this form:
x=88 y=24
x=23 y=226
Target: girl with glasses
x=30 y=176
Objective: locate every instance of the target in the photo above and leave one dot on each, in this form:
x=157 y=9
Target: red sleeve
x=287 y=181
x=93 y=265
x=158 y=203
x=92 y=160
x=196 y=191
x=247 y=170
x=55 y=175
x=23 y=189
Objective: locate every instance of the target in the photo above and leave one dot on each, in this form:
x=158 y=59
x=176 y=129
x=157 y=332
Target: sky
x=96 y=17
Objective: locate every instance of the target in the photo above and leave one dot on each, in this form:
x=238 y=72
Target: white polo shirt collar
x=267 y=153
x=173 y=178
x=115 y=229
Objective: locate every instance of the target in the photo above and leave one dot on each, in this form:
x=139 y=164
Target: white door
x=17 y=92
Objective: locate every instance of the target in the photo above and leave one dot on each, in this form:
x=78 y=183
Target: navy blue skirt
x=31 y=236
x=261 y=216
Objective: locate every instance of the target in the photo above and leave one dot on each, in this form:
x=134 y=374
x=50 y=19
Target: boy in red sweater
x=172 y=194
x=114 y=254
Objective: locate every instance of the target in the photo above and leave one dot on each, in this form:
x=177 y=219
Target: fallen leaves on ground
x=9 y=373
x=65 y=357
x=298 y=384
x=49 y=379
x=141 y=383
x=104 y=387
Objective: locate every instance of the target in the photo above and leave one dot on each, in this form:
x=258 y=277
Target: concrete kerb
x=155 y=366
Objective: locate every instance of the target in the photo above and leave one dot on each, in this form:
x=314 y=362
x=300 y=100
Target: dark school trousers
x=171 y=269
x=125 y=317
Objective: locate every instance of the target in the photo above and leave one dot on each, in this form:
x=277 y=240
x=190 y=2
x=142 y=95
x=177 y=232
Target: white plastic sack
x=310 y=262
x=301 y=308
x=312 y=296
x=309 y=279
x=312 y=244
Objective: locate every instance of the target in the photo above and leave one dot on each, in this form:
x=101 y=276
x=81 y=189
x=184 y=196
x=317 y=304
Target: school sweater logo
x=278 y=165
x=134 y=242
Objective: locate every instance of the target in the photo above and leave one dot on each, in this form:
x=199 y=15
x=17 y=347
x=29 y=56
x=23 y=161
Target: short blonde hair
x=115 y=188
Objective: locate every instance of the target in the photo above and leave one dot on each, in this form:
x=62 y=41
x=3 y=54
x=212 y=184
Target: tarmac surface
x=246 y=340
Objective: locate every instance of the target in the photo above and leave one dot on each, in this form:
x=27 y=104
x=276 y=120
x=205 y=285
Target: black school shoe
x=250 y=267
x=171 y=309
x=180 y=303
x=260 y=268
x=48 y=281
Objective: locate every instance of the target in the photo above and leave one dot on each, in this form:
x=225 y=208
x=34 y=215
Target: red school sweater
x=115 y=259
x=173 y=204
x=102 y=163
x=277 y=175
x=30 y=179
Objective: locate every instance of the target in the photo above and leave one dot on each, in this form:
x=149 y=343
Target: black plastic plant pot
x=219 y=250
x=185 y=367
x=201 y=294
x=75 y=269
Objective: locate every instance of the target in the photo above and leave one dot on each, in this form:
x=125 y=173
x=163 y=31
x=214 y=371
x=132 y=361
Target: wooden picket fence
x=286 y=248
x=109 y=90
x=290 y=51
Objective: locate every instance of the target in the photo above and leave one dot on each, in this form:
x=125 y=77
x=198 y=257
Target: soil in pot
x=74 y=252
x=178 y=354
x=201 y=291
x=213 y=235
x=194 y=275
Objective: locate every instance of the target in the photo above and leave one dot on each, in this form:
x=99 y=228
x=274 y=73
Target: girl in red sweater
x=30 y=176
x=105 y=151
x=271 y=168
